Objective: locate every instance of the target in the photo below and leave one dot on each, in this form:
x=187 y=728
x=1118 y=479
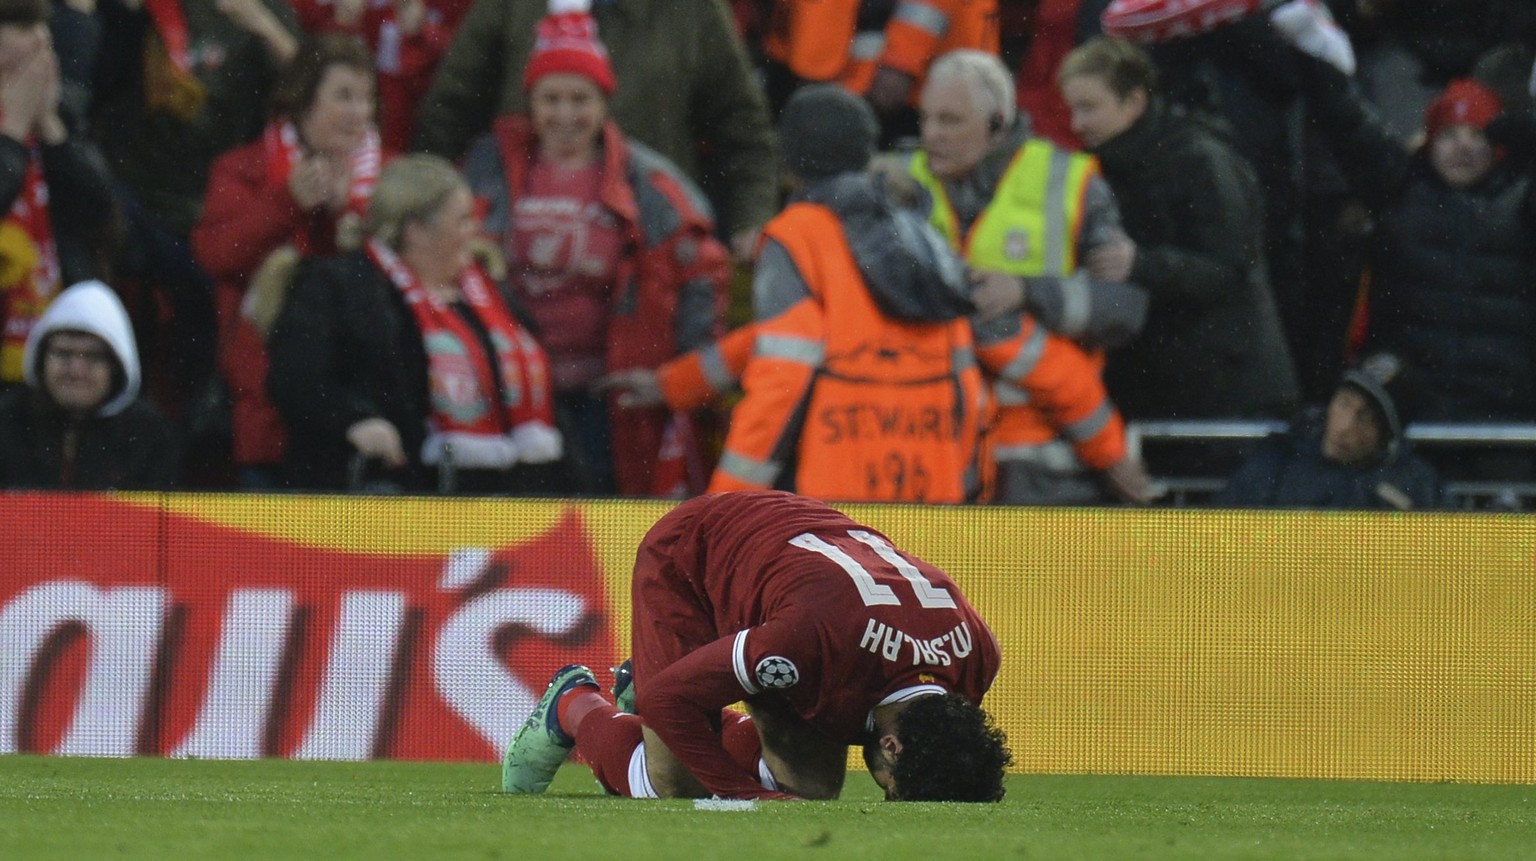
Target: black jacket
x=41 y=448
x=1212 y=345
x=1289 y=471
x=1452 y=290
x=345 y=348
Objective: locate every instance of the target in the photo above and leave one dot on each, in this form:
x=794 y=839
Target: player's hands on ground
x=636 y=387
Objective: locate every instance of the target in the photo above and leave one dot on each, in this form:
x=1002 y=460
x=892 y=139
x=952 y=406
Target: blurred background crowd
x=927 y=250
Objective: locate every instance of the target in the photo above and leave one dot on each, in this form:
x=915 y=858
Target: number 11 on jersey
x=877 y=594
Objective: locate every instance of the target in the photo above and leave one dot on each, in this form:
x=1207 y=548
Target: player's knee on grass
x=669 y=777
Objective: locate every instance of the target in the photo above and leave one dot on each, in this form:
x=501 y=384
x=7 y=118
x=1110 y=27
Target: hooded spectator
x=79 y=422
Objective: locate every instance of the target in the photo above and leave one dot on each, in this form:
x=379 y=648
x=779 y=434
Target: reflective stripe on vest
x=803 y=351
x=924 y=17
x=868 y=45
x=716 y=373
x=1088 y=426
x=962 y=357
x=749 y=471
x=1030 y=226
x=1028 y=356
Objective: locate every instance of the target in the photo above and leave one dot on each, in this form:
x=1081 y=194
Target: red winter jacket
x=667 y=225
x=245 y=219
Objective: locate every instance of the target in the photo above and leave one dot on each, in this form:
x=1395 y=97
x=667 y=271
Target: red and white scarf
x=284 y=149
x=463 y=387
x=22 y=302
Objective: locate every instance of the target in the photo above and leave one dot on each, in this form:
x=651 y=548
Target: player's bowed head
x=937 y=748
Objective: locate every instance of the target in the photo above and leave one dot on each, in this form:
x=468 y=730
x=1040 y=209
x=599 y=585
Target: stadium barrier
x=1220 y=439
x=1331 y=645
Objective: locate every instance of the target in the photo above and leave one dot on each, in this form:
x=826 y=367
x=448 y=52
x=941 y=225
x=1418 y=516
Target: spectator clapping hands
x=29 y=90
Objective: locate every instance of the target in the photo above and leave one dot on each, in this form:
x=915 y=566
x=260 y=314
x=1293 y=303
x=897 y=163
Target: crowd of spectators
x=492 y=246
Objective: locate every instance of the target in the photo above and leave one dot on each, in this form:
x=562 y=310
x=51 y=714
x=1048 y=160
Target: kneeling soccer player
x=828 y=634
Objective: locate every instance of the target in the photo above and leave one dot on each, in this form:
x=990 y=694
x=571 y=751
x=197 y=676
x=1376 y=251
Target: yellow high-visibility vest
x=1030 y=226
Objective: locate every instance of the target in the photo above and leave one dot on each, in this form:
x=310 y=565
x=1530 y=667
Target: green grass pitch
x=173 y=809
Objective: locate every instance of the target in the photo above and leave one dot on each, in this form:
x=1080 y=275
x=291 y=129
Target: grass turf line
x=53 y=807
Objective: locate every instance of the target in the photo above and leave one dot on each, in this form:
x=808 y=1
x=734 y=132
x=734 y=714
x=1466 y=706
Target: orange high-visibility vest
x=865 y=407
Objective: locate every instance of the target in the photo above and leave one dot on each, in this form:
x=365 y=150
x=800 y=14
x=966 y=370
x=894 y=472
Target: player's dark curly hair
x=951 y=750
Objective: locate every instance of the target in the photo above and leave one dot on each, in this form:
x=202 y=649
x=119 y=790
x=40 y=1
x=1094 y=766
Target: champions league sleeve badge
x=777 y=672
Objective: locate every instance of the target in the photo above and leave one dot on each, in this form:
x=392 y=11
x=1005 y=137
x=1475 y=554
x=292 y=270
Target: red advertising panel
x=129 y=628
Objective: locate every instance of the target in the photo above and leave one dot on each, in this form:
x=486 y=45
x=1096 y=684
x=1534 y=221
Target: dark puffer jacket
x=1454 y=293
x=1289 y=471
x=1212 y=344
x=1452 y=289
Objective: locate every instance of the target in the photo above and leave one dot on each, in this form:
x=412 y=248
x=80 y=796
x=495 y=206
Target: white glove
x=1308 y=26
x=537 y=442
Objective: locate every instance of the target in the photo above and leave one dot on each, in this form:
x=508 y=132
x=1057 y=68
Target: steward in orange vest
x=859 y=388
x=860 y=373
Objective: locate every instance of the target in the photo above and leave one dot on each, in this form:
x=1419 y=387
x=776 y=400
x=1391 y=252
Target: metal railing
x=1427 y=436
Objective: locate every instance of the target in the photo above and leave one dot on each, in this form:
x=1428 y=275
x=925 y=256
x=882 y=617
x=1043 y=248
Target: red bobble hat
x=567 y=42
x=1465 y=102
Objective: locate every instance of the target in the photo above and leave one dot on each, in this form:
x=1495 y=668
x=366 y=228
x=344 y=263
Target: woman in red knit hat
x=610 y=249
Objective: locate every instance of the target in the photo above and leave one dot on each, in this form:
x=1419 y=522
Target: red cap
x=1465 y=102
x=567 y=42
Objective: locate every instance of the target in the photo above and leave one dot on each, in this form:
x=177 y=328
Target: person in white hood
x=79 y=422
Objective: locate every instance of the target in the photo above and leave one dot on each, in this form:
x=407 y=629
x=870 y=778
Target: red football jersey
x=768 y=595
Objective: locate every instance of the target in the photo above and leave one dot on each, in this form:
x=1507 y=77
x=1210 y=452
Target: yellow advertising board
x=1281 y=644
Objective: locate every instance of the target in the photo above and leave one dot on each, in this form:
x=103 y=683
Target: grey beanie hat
x=826 y=130
x=1393 y=390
